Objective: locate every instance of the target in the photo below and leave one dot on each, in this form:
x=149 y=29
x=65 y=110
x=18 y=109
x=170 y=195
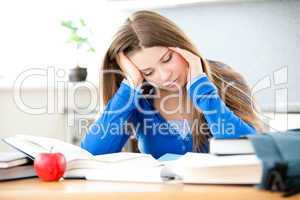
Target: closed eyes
x=148 y=74
x=168 y=59
x=163 y=61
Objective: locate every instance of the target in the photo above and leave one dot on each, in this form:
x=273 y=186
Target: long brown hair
x=144 y=29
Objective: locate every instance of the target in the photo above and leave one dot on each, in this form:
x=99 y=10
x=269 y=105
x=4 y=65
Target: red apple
x=50 y=166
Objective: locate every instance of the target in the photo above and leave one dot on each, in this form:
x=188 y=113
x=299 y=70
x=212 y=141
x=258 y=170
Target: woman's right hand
x=130 y=70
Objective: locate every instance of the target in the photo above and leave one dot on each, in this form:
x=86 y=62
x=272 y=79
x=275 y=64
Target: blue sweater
x=108 y=134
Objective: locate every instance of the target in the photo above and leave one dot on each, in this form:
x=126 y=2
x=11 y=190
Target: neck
x=174 y=99
x=164 y=93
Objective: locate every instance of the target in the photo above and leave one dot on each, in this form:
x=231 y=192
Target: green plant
x=78 y=34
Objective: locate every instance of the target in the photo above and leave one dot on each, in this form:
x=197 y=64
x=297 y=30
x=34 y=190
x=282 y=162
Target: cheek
x=179 y=63
x=180 y=66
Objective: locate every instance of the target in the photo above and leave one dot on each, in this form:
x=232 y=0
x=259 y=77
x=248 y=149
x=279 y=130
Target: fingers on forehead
x=179 y=50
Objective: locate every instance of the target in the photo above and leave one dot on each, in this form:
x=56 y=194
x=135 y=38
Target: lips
x=170 y=83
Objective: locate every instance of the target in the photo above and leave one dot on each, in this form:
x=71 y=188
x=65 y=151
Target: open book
x=80 y=161
x=138 y=167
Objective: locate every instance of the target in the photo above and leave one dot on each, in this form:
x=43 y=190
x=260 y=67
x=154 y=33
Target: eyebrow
x=158 y=60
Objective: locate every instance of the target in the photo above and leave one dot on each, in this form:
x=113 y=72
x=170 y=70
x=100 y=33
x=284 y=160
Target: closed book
x=17 y=172
x=203 y=168
x=11 y=159
x=230 y=146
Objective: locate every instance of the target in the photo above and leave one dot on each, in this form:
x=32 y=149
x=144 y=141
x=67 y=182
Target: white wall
x=256 y=38
x=14 y=120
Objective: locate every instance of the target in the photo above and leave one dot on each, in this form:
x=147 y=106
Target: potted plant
x=79 y=37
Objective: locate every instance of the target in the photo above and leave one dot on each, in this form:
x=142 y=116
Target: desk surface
x=81 y=189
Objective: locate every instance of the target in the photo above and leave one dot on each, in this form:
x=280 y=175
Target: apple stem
x=51 y=149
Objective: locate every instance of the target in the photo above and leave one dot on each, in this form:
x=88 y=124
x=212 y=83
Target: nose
x=165 y=74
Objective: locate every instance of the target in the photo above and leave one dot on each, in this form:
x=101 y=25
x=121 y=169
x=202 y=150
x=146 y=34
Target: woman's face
x=161 y=67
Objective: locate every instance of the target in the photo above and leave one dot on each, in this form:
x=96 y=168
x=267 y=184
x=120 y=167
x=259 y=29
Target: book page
x=128 y=158
x=130 y=174
x=121 y=159
x=33 y=145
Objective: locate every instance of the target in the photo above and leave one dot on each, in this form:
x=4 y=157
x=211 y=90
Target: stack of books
x=15 y=165
x=195 y=168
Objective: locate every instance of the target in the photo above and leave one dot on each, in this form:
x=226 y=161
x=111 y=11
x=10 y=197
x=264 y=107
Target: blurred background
x=51 y=51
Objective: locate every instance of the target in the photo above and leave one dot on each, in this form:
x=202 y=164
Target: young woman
x=156 y=82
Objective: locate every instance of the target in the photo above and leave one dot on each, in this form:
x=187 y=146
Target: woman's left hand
x=195 y=65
